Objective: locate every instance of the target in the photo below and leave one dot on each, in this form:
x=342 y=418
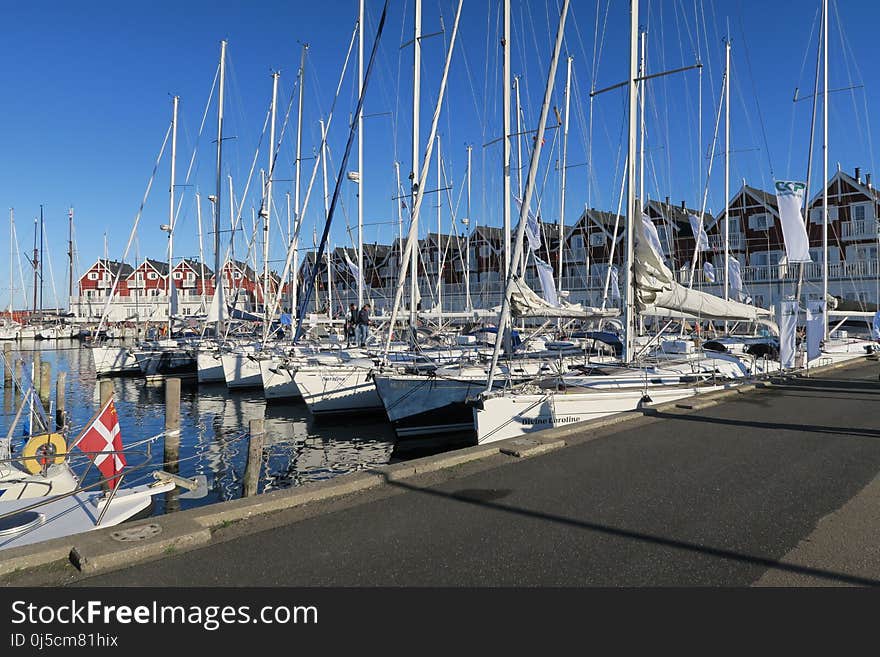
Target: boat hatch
x=21 y=522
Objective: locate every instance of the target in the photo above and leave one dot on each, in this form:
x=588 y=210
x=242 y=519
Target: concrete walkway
x=776 y=487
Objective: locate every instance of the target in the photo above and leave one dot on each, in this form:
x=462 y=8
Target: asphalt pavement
x=721 y=496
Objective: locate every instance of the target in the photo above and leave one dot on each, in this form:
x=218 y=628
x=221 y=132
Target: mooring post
x=257 y=432
x=19 y=370
x=106 y=391
x=60 y=404
x=35 y=374
x=45 y=384
x=7 y=365
x=171 y=453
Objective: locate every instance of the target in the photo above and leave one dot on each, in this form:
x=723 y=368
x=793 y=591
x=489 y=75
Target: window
x=190 y=276
x=93 y=276
x=597 y=239
x=485 y=251
x=762 y=221
x=735 y=225
x=577 y=242
x=861 y=211
x=816 y=214
x=152 y=276
x=178 y=275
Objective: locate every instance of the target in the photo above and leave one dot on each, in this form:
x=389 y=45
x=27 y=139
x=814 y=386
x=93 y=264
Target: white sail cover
x=533 y=229
x=548 y=286
x=709 y=271
x=656 y=287
x=217 y=309
x=787 y=319
x=699 y=232
x=353 y=268
x=815 y=328
x=789 y=198
x=173 y=301
x=525 y=302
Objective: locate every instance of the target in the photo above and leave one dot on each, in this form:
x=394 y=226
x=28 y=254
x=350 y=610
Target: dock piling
x=35 y=374
x=7 y=365
x=45 y=384
x=106 y=391
x=257 y=432
x=60 y=404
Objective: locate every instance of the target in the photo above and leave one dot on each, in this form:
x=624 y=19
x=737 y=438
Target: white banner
x=699 y=231
x=353 y=268
x=789 y=198
x=787 y=321
x=533 y=228
x=735 y=277
x=709 y=271
x=815 y=328
x=548 y=287
x=614 y=287
x=652 y=236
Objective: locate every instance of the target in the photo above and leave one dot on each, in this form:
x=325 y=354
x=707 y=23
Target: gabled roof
x=871 y=192
x=158 y=265
x=113 y=266
x=195 y=265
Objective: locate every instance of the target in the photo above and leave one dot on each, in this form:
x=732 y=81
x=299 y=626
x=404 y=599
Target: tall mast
x=416 y=165
x=360 y=129
x=642 y=88
x=201 y=247
x=266 y=211
x=399 y=221
x=69 y=253
x=519 y=163
x=35 y=262
x=11 y=260
x=505 y=141
x=42 y=232
x=296 y=186
x=439 y=239
x=171 y=309
x=326 y=214
x=218 y=278
x=467 y=241
x=562 y=173
x=631 y=203
x=825 y=165
x=727 y=170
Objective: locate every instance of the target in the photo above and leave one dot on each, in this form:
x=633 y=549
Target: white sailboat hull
x=337 y=389
x=209 y=366
x=511 y=415
x=241 y=370
x=114 y=360
x=278 y=379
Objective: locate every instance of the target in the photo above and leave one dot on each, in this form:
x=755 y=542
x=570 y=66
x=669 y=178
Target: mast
x=69 y=254
x=631 y=203
x=218 y=278
x=642 y=88
x=505 y=141
x=360 y=129
x=439 y=239
x=562 y=174
x=519 y=164
x=171 y=288
x=296 y=188
x=399 y=221
x=527 y=195
x=36 y=263
x=416 y=165
x=326 y=213
x=266 y=211
x=467 y=240
x=825 y=167
x=11 y=260
x=201 y=247
x=727 y=171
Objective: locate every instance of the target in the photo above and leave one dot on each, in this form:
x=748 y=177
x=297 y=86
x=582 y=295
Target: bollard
x=106 y=391
x=251 y=483
x=45 y=384
x=7 y=365
x=171 y=455
x=60 y=403
x=19 y=371
x=35 y=374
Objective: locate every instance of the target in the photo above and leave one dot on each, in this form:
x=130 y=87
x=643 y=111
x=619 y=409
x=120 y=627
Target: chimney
x=858 y=175
x=683 y=206
x=667 y=201
x=868 y=180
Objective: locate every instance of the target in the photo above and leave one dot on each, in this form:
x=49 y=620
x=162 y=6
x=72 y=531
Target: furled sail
x=525 y=302
x=656 y=287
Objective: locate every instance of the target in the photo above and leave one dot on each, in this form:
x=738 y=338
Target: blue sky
x=86 y=100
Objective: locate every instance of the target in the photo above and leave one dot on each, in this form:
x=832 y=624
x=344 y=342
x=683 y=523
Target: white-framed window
x=597 y=239
x=93 y=276
x=178 y=276
x=190 y=276
x=577 y=242
x=139 y=277
x=152 y=275
x=816 y=214
x=861 y=252
x=735 y=224
x=760 y=221
x=861 y=211
x=485 y=251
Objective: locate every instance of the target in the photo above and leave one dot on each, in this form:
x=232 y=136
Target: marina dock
x=776 y=485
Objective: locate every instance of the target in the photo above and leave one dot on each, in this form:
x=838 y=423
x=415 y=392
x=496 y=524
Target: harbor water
x=213 y=437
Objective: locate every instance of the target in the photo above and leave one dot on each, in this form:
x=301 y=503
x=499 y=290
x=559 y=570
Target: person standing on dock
x=350 y=324
x=363 y=325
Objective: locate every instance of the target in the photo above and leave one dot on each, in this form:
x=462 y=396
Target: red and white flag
x=102 y=441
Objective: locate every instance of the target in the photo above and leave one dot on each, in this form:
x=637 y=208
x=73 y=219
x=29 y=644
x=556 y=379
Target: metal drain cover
x=139 y=533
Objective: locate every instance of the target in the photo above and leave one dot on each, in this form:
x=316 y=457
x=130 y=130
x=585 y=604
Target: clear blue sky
x=86 y=100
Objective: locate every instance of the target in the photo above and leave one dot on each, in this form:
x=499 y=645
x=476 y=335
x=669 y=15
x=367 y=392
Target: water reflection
x=214 y=425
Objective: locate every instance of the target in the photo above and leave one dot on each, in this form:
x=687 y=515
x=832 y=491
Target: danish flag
x=102 y=441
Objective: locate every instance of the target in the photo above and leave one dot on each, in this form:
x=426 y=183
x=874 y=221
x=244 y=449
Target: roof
x=196 y=266
x=113 y=266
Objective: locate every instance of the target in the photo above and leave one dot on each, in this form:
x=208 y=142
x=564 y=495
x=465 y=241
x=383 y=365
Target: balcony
x=865 y=229
x=736 y=242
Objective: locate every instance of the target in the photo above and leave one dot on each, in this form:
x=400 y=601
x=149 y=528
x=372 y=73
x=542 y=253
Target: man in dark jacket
x=363 y=325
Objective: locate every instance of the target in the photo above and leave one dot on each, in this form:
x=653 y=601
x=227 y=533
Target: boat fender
x=43 y=450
